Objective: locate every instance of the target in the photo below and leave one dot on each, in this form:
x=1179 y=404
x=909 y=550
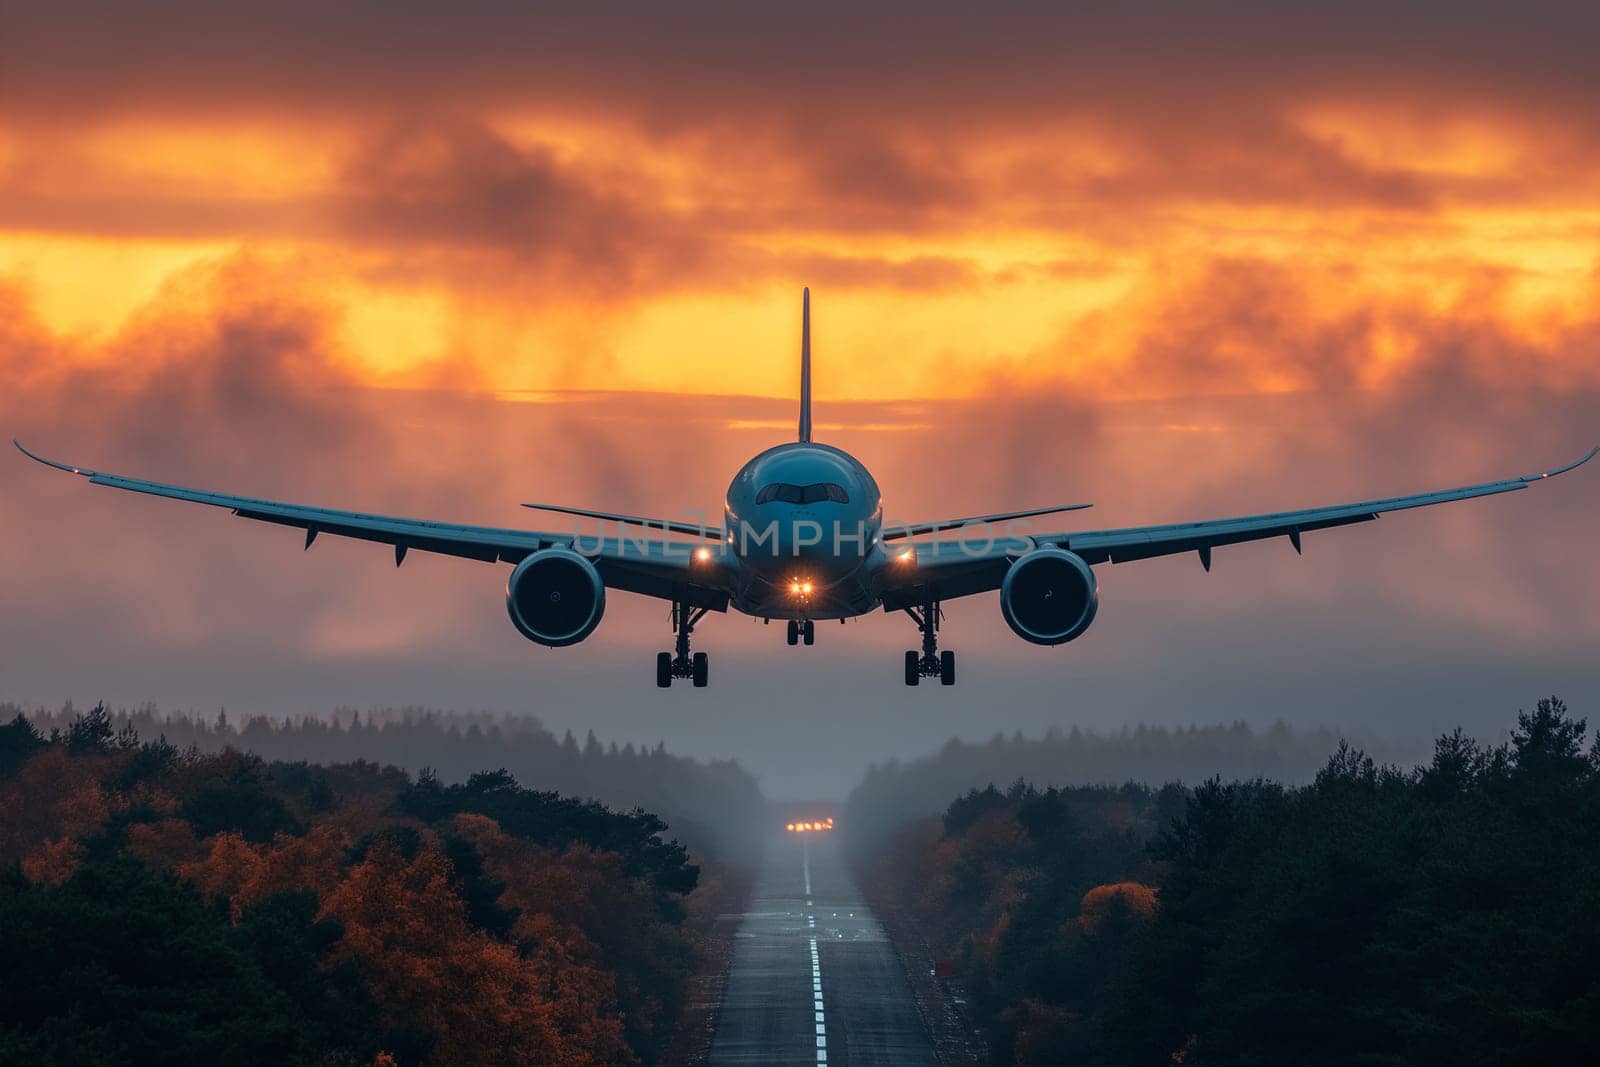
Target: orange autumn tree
x=53 y=803
x=229 y=863
x=407 y=928
x=1138 y=898
x=244 y=873
x=556 y=902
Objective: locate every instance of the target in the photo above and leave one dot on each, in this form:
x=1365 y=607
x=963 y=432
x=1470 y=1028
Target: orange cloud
x=505 y=254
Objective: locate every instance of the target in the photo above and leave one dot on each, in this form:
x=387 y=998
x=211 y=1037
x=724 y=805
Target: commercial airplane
x=804 y=539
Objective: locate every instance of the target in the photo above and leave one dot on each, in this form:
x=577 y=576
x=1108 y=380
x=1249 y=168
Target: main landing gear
x=681 y=664
x=931 y=663
x=802 y=631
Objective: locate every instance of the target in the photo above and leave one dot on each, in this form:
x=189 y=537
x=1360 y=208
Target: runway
x=814 y=979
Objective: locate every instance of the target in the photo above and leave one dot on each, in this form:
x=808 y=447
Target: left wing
x=943 y=569
x=652 y=568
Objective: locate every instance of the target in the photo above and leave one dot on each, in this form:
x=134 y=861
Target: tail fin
x=805 y=364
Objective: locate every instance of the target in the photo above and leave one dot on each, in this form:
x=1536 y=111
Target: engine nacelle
x=1048 y=596
x=555 y=597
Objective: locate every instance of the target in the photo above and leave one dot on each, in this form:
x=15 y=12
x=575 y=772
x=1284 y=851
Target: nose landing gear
x=681 y=664
x=802 y=631
x=930 y=663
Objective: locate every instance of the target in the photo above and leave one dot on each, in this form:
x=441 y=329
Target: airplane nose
x=800 y=536
x=805 y=537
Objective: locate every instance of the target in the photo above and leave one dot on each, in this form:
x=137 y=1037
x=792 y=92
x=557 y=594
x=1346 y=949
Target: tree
x=92 y=731
x=407 y=931
x=18 y=741
x=119 y=964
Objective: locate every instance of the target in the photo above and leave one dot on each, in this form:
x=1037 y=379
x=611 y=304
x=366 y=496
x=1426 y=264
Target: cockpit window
x=788 y=494
x=826 y=491
x=802 y=494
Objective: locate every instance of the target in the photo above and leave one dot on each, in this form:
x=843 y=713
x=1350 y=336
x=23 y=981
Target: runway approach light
x=808 y=827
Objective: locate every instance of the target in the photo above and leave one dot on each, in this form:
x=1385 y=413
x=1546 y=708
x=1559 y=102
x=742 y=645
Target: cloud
x=454 y=184
x=1178 y=262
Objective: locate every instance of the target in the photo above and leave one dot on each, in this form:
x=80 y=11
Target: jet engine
x=555 y=597
x=1048 y=596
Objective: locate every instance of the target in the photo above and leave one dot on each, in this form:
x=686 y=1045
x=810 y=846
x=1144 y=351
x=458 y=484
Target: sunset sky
x=438 y=262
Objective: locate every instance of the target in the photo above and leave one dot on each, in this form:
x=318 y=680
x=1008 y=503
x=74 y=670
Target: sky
x=436 y=261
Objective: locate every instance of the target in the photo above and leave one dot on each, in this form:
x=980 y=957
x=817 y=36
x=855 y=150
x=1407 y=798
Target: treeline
x=715 y=806
x=160 y=904
x=892 y=793
x=1449 y=913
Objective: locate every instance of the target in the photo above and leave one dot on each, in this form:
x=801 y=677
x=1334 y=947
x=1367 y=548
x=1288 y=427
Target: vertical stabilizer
x=805 y=364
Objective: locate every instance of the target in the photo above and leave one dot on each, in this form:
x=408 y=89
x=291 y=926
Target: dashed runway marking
x=816 y=994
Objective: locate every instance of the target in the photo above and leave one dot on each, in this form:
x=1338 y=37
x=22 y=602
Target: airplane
x=803 y=539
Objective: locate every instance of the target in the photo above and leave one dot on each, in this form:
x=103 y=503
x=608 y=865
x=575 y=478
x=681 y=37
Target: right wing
x=656 y=568
x=1143 y=542
x=893 y=531
x=977 y=561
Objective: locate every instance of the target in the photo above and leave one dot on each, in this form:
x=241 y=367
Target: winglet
x=1562 y=470
x=50 y=462
x=805 y=364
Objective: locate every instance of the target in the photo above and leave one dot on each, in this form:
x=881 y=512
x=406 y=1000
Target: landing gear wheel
x=808 y=632
x=680 y=664
x=930 y=662
x=794 y=632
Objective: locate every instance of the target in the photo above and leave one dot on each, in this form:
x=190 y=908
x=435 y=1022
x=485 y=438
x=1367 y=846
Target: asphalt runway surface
x=814 y=978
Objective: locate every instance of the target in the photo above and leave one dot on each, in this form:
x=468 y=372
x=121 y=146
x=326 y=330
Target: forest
x=713 y=806
x=159 y=903
x=894 y=792
x=1448 y=912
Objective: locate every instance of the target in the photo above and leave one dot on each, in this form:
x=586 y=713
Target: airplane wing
x=693 y=529
x=656 y=568
x=947 y=568
x=894 y=531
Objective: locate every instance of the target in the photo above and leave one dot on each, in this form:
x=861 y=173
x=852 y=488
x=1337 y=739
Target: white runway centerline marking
x=816 y=961
x=816 y=986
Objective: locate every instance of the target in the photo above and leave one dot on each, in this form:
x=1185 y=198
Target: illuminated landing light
x=702 y=554
x=908 y=556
